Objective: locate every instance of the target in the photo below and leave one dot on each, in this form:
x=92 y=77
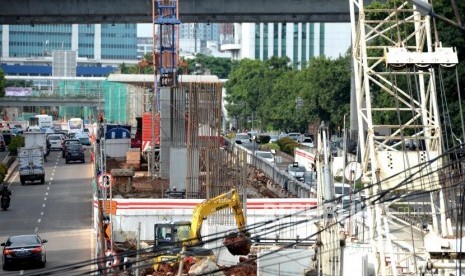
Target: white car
x=265 y=155
x=294 y=135
x=297 y=171
x=242 y=138
x=307 y=142
x=55 y=141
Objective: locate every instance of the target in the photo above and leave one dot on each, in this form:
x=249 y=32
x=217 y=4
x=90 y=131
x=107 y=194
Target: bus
x=75 y=125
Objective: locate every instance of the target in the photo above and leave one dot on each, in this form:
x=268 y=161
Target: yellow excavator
x=173 y=235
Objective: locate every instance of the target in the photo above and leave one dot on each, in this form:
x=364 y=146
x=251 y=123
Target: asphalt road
x=59 y=211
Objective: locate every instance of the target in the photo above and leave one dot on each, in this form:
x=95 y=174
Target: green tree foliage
x=2 y=83
x=3 y=172
x=16 y=143
x=270 y=89
x=220 y=67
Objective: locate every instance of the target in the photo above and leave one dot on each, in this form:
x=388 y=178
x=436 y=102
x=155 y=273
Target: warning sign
x=105 y=180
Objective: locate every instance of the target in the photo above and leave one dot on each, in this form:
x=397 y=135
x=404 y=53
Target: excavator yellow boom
x=230 y=200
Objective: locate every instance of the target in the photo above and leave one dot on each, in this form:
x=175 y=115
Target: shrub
x=264 y=139
x=284 y=141
x=287 y=145
x=3 y=172
x=16 y=142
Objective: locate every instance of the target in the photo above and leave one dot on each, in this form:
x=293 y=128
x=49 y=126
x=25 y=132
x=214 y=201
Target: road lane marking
x=21 y=272
x=41 y=213
x=11 y=179
x=43 y=205
x=46 y=193
x=39 y=220
x=45 y=198
x=48 y=188
x=36 y=229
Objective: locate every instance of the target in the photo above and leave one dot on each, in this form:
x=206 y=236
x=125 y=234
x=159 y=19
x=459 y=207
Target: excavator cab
x=171 y=233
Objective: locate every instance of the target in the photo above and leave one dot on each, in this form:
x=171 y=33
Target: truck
x=31 y=157
x=31 y=164
x=188 y=233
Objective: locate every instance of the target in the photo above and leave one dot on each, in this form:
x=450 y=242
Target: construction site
x=181 y=200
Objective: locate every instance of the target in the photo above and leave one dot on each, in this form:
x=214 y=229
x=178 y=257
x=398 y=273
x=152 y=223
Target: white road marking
x=41 y=213
x=45 y=198
x=21 y=272
x=11 y=179
x=39 y=220
x=46 y=193
x=43 y=205
x=36 y=229
x=48 y=188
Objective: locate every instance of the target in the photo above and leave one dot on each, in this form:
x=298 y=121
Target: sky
x=144 y=30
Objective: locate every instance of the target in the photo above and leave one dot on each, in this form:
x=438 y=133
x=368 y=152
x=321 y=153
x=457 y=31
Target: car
x=68 y=142
x=74 y=152
x=274 y=138
x=307 y=142
x=242 y=138
x=294 y=135
x=7 y=135
x=83 y=139
x=17 y=129
x=342 y=189
x=265 y=155
x=2 y=143
x=297 y=171
x=24 y=249
x=56 y=141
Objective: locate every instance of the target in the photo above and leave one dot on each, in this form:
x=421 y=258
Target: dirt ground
x=143 y=186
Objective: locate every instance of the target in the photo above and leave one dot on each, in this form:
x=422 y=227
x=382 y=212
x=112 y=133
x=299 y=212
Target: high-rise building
x=298 y=41
x=144 y=46
x=200 y=31
x=91 y=41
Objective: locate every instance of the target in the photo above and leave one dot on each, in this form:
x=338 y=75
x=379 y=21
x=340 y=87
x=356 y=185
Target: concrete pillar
x=98 y=42
x=75 y=38
x=165 y=131
x=5 y=39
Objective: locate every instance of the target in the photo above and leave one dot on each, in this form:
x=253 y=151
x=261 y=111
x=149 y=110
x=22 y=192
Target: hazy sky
x=144 y=30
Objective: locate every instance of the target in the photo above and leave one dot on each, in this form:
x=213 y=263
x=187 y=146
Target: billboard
x=18 y=91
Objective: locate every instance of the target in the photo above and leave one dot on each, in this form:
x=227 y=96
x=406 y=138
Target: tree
x=2 y=83
x=220 y=67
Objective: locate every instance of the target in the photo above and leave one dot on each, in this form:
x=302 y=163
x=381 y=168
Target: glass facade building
x=92 y=41
x=298 y=41
x=203 y=31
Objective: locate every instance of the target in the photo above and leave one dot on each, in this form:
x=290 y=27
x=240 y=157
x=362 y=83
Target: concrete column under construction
x=165 y=131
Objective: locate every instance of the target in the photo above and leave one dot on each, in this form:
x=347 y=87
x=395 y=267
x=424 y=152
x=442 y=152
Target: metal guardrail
x=279 y=177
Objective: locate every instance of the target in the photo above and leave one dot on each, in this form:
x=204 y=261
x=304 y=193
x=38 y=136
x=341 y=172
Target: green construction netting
x=114 y=94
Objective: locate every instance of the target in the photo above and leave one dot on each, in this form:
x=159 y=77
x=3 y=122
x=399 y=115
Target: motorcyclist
x=5 y=191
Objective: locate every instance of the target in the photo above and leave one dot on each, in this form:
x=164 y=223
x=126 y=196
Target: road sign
x=353 y=171
x=105 y=180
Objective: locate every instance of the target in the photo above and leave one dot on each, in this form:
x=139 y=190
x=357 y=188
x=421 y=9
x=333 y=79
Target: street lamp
x=426 y=8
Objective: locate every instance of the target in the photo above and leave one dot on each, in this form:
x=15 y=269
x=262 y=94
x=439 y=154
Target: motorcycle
x=5 y=202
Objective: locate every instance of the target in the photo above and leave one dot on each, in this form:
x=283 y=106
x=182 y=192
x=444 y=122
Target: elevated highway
x=140 y=11
x=52 y=101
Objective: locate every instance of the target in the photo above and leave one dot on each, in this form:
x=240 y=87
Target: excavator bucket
x=237 y=244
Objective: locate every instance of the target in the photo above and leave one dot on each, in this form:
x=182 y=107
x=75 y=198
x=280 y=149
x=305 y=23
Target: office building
x=97 y=46
x=298 y=41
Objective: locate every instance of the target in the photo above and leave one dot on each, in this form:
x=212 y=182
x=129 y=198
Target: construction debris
x=206 y=265
x=245 y=267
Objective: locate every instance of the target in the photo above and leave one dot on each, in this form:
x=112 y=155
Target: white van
x=342 y=189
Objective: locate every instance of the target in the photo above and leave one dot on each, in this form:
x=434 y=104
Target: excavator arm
x=230 y=200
